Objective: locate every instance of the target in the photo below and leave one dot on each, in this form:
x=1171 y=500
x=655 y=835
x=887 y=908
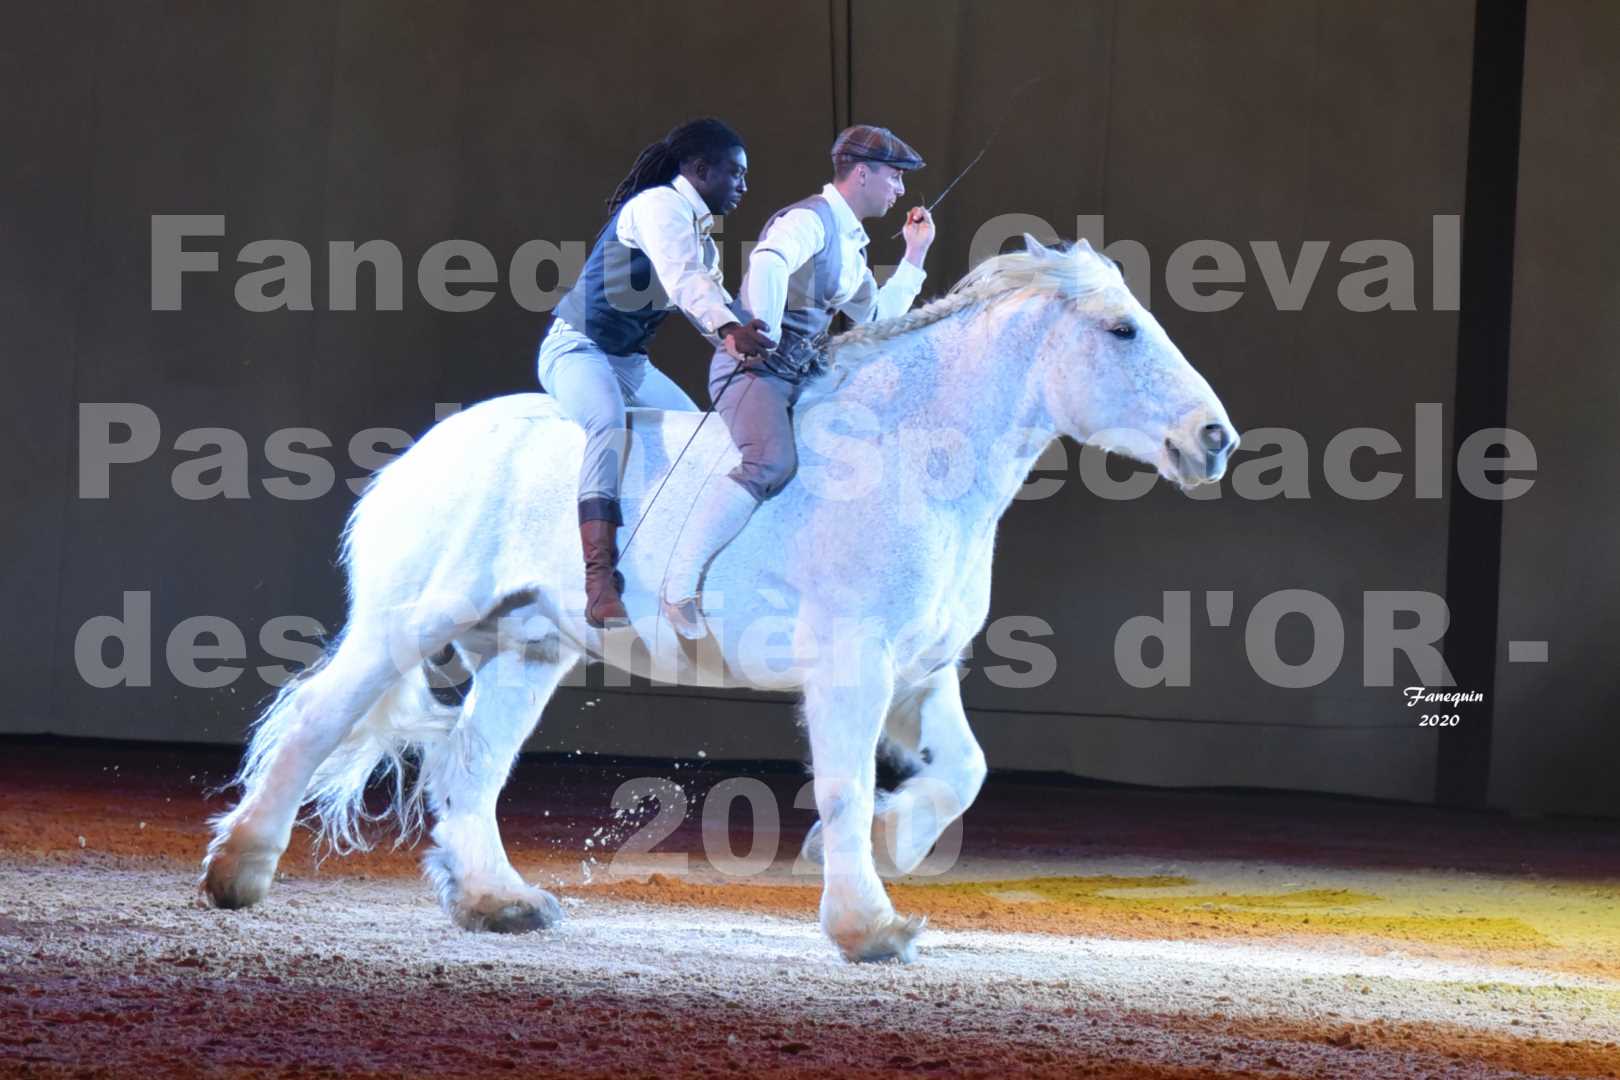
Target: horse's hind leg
x=308 y=719
x=465 y=773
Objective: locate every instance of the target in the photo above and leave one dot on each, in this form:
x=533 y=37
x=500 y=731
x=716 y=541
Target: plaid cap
x=863 y=142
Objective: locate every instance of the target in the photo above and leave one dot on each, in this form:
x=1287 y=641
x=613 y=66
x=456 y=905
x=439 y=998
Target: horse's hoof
x=812 y=850
x=503 y=915
x=895 y=940
x=237 y=881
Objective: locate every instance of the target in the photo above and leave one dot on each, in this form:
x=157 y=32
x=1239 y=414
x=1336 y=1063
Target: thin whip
x=1005 y=116
x=672 y=465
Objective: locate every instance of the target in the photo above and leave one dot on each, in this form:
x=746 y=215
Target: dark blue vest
x=618 y=300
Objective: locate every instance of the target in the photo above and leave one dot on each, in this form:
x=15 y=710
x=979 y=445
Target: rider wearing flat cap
x=810 y=264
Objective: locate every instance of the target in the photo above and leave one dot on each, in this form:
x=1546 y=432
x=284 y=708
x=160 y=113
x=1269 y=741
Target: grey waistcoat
x=811 y=288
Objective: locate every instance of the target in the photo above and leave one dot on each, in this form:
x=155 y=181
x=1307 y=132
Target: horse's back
x=508 y=470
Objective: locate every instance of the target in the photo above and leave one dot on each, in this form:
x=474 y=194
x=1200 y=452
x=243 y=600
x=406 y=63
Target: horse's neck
x=969 y=377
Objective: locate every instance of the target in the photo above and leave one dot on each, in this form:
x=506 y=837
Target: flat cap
x=863 y=142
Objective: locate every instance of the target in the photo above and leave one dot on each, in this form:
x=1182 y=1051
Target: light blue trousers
x=594 y=388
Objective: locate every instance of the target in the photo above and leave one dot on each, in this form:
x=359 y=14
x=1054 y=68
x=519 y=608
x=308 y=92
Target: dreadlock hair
x=660 y=162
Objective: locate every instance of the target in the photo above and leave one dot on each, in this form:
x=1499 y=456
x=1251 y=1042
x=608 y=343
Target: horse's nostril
x=1214 y=437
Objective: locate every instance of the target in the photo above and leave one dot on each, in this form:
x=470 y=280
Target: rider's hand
x=746 y=343
x=919 y=233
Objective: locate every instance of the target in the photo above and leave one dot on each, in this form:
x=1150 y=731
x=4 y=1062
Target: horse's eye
x=1123 y=330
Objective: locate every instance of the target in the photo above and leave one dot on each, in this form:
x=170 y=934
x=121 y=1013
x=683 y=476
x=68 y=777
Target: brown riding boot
x=603 y=583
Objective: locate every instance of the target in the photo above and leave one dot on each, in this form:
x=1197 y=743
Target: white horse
x=859 y=586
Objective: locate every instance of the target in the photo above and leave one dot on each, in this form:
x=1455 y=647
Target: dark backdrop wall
x=1153 y=121
x=1558 y=729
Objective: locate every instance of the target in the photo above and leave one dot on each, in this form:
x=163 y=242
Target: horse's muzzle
x=1203 y=459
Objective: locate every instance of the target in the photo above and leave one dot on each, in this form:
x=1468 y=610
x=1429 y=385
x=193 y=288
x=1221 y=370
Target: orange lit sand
x=1332 y=948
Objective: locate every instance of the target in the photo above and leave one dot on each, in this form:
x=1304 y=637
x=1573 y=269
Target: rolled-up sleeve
x=793 y=240
x=660 y=223
x=871 y=303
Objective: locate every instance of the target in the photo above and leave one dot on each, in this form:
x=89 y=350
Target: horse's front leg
x=934 y=726
x=947 y=770
x=844 y=710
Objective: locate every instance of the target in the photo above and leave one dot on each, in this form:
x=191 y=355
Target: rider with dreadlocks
x=655 y=252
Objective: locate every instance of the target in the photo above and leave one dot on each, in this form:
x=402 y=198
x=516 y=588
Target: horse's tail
x=379 y=748
x=377 y=751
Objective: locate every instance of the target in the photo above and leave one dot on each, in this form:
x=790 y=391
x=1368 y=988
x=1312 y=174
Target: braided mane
x=1070 y=271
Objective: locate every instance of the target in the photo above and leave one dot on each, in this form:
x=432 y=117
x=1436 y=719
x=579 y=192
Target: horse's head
x=1108 y=374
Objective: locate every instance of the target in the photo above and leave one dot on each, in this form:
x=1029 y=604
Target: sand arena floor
x=1084 y=930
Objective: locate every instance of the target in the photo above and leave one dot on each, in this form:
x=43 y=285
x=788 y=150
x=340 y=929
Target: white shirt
x=672 y=226
x=795 y=239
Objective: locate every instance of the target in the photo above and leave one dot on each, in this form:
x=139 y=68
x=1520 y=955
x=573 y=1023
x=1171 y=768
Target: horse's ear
x=1034 y=246
x=1083 y=244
